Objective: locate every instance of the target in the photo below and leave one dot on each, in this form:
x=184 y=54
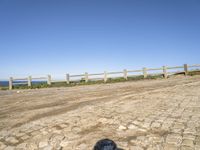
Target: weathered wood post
x=67 y=78
x=165 y=72
x=186 y=69
x=10 y=83
x=29 y=81
x=49 y=79
x=145 y=72
x=105 y=76
x=125 y=74
x=86 y=77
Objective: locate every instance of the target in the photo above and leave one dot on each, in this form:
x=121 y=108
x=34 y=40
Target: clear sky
x=40 y=37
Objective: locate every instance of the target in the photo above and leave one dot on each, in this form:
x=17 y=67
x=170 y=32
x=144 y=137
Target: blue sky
x=40 y=37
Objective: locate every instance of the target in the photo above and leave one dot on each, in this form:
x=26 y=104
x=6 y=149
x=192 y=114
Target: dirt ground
x=137 y=115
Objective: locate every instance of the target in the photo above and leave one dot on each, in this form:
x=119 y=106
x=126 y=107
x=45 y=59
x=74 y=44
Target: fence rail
x=124 y=74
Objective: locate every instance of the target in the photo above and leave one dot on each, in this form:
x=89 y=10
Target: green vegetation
x=34 y=86
x=3 y=88
x=195 y=72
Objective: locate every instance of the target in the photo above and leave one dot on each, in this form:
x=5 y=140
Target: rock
x=187 y=148
x=82 y=146
x=9 y=148
x=146 y=124
x=21 y=146
x=155 y=125
x=43 y=144
x=136 y=148
x=55 y=140
x=31 y=146
x=64 y=143
x=174 y=139
x=47 y=148
x=12 y=140
x=2 y=146
x=188 y=142
x=76 y=129
x=132 y=127
x=102 y=120
x=188 y=136
x=121 y=127
x=197 y=147
x=122 y=145
x=24 y=137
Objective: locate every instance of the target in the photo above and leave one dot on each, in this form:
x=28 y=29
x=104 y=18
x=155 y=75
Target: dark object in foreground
x=106 y=144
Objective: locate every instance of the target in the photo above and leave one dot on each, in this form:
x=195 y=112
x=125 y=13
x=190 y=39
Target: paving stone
x=186 y=148
x=49 y=147
x=155 y=125
x=75 y=130
x=197 y=147
x=174 y=139
x=136 y=122
x=132 y=127
x=122 y=145
x=25 y=137
x=121 y=127
x=136 y=148
x=82 y=146
x=55 y=140
x=63 y=125
x=170 y=147
x=146 y=124
x=173 y=124
x=35 y=133
x=188 y=136
x=21 y=146
x=64 y=143
x=188 y=142
x=103 y=120
x=198 y=143
x=179 y=126
x=2 y=145
x=12 y=140
x=43 y=143
x=43 y=131
x=10 y=148
x=32 y=146
x=4 y=133
x=20 y=134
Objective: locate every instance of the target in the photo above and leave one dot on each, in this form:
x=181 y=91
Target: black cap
x=105 y=144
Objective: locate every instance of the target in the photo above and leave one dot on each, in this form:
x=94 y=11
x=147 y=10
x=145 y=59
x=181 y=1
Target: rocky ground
x=162 y=114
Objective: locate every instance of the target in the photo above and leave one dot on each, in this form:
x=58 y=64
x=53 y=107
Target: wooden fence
x=165 y=71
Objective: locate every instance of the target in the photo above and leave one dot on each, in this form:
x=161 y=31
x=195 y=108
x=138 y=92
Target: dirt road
x=149 y=114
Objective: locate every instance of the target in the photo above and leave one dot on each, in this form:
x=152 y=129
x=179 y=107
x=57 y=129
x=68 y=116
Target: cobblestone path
x=161 y=114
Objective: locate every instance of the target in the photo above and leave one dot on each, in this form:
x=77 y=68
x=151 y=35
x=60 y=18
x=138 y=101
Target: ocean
x=6 y=83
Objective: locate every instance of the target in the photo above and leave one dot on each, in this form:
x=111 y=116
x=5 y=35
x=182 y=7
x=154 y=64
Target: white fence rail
x=165 y=71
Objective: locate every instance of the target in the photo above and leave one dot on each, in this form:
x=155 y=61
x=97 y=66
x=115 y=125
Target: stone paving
x=163 y=116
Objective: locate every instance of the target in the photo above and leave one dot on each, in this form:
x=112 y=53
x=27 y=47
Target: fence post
x=165 y=72
x=105 y=76
x=29 y=81
x=86 y=77
x=186 y=69
x=10 y=83
x=49 y=79
x=125 y=74
x=67 y=78
x=145 y=72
